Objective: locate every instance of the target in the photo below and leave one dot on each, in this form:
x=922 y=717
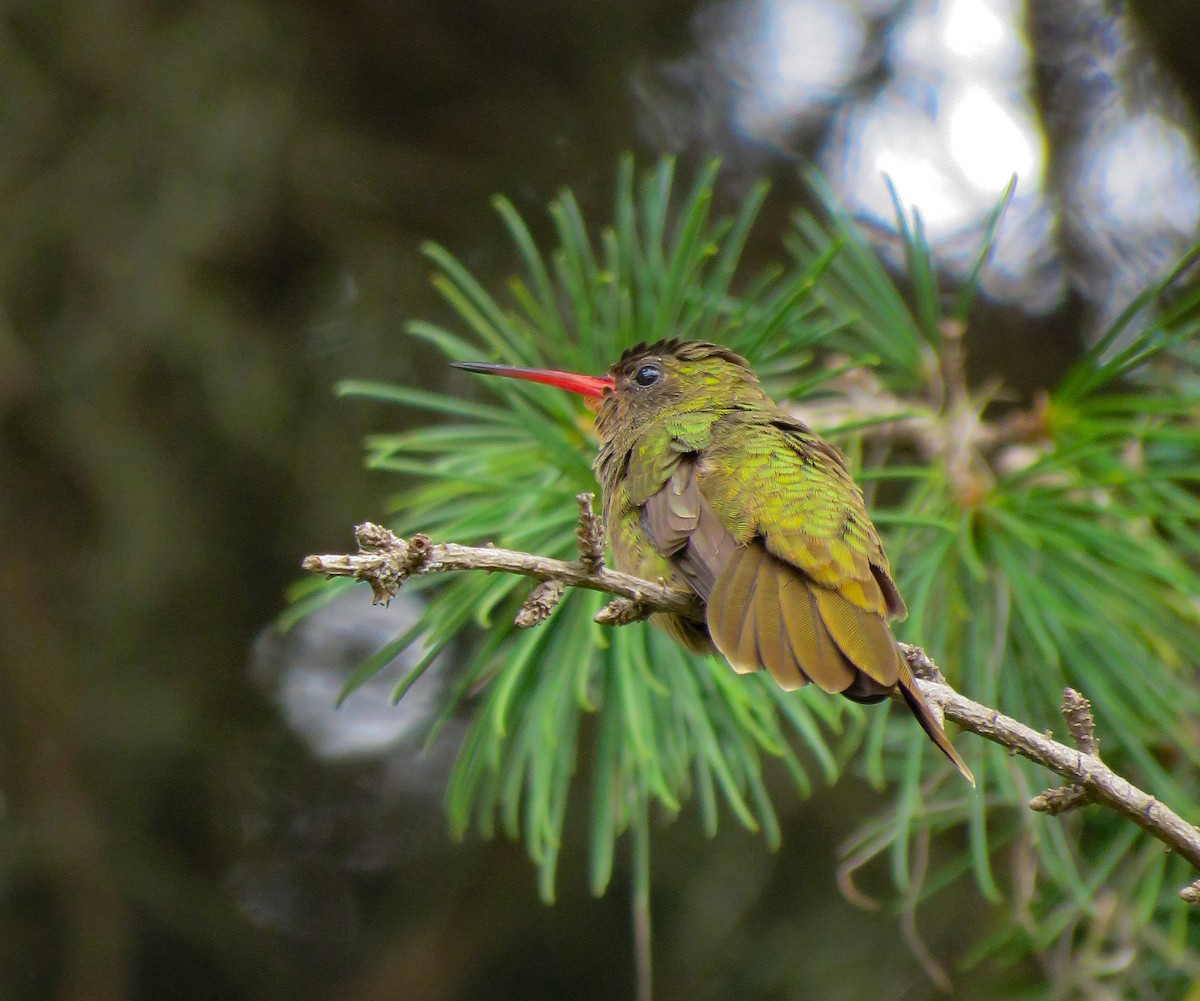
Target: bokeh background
x=209 y=213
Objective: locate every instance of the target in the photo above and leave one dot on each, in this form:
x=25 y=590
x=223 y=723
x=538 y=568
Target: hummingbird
x=713 y=487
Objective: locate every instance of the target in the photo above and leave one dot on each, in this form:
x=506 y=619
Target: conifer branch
x=385 y=561
x=859 y=397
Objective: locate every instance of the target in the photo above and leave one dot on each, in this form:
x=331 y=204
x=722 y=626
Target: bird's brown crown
x=673 y=347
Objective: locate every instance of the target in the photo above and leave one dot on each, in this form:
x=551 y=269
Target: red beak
x=594 y=386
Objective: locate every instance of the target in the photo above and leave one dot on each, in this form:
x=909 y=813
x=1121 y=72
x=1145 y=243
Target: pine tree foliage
x=1067 y=555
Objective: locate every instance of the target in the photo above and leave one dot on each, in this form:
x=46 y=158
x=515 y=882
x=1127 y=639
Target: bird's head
x=650 y=382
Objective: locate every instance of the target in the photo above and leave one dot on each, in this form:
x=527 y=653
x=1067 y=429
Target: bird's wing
x=682 y=526
x=761 y=611
x=809 y=574
x=767 y=476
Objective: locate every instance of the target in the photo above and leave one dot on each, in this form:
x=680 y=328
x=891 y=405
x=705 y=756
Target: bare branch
x=949 y=425
x=1099 y=782
x=859 y=398
x=385 y=561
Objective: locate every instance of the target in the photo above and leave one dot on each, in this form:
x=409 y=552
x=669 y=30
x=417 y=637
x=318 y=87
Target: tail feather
x=763 y=612
x=931 y=726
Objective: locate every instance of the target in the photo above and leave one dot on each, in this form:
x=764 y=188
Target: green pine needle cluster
x=1072 y=560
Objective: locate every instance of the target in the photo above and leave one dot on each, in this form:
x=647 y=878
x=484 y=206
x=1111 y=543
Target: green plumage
x=709 y=485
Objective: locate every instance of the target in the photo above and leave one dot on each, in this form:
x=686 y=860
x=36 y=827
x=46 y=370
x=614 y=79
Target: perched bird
x=710 y=485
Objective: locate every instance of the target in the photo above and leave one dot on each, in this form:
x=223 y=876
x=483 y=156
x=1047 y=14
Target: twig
x=950 y=425
x=962 y=420
x=1078 y=713
x=1100 y=783
x=540 y=603
x=590 y=534
x=1081 y=723
x=1062 y=799
x=385 y=561
x=859 y=398
x=622 y=612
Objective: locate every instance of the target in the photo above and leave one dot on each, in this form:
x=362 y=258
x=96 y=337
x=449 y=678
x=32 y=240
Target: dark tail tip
x=920 y=709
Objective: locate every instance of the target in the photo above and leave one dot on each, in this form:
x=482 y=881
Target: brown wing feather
x=671 y=514
x=895 y=604
x=708 y=550
x=730 y=612
x=681 y=524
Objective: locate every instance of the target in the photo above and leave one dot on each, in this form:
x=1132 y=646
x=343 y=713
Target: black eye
x=647 y=375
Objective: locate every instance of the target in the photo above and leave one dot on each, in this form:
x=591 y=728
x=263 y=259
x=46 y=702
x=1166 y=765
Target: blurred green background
x=210 y=213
